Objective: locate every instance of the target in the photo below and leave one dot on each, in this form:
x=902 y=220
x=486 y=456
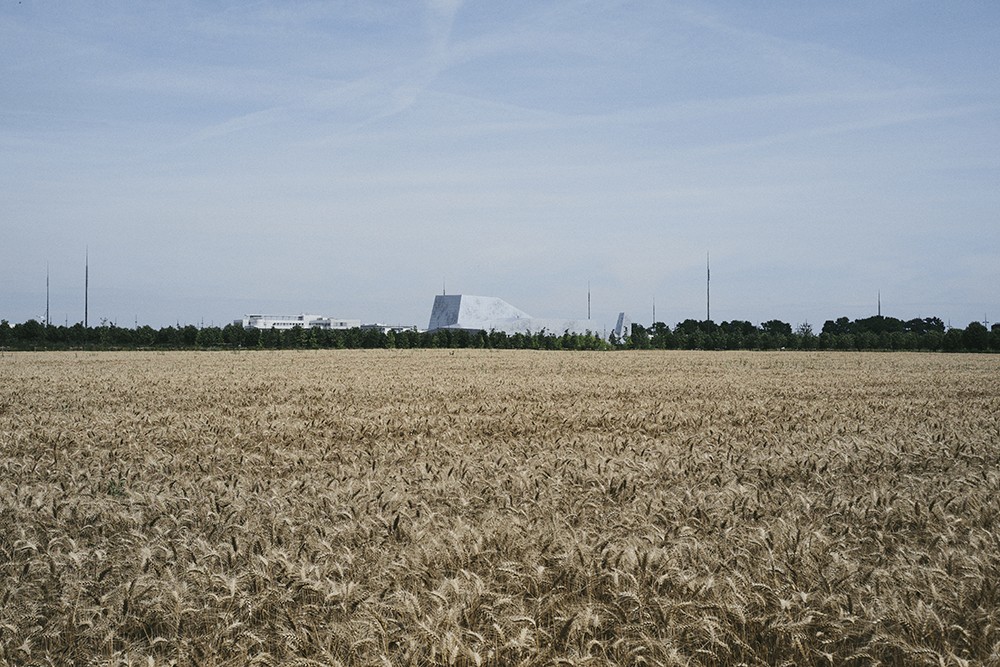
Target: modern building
x=291 y=321
x=386 y=328
x=488 y=313
x=623 y=328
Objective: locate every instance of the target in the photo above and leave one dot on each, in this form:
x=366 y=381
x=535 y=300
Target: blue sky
x=348 y=159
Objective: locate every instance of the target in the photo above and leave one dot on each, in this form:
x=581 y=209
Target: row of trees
x=873 y=333
x=32 y=335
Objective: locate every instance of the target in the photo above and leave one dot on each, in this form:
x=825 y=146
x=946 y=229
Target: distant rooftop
x=291 y=321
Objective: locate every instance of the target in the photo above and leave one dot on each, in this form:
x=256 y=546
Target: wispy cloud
x=407 y=83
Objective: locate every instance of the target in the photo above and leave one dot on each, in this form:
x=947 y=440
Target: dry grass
x=476 y=507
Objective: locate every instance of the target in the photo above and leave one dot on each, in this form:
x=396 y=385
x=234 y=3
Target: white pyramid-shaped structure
x=489 y=313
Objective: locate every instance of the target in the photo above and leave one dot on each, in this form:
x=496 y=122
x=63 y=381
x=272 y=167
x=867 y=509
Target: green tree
x=209 y=337
x=168 y=337
x=696 y=341
x=924 y=326
x=270 y=338
x=768 y=341
x=952 y=341
x=845 y=341
x=776 y=328
x=904 y=341
x=79 y=334
x=661 y=338
x=189 y=335
x=499 y=340
x=841 y=325
x=737 y=335
x=879 y=324
x=234 y=335
x=374 y=338
x=931 y=340
x=976 y=337
x=251 y=338
x=806 y=338
x=31 y=332
x=104 y=333
x=638 y=338
x=402 y=340
x=352 y=338
x=145 y=336
x=741 y=327
x=866 y=340
x=775 y=334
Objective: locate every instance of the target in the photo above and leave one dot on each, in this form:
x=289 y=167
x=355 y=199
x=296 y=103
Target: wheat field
x=475 y=507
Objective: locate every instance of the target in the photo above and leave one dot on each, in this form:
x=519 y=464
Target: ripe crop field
x=477 y=507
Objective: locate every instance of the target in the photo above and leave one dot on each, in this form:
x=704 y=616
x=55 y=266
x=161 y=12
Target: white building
x=623 y=328
x=386 y=328
x=283 y=322
x=488 y=313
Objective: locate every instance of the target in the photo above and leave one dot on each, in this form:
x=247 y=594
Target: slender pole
x=46 y=294
x=708 y=286
x=880 y=303
x=86 y=289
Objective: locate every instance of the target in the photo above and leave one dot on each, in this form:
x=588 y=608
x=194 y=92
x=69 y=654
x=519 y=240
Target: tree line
x=872 y=333
x=33 y=335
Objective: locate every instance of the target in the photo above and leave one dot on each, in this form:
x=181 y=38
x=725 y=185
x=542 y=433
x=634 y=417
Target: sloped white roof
x=489 y=313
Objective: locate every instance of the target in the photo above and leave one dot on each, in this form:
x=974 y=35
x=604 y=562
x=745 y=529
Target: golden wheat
x=495 y=508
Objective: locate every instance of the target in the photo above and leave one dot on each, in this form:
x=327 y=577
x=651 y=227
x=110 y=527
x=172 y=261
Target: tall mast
x=86 y=288
x=46 y=294
x=708 y=286
x=880 y=303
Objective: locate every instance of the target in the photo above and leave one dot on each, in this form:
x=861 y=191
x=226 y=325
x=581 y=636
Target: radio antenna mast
x=86 y=288
x=708 y=286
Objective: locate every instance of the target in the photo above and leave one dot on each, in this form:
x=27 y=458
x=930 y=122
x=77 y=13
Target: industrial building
x=488 y=313
x=283 y=322
x=387 y=328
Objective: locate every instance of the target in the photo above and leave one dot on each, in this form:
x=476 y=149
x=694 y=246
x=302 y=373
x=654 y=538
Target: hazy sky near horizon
x=350 y=159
